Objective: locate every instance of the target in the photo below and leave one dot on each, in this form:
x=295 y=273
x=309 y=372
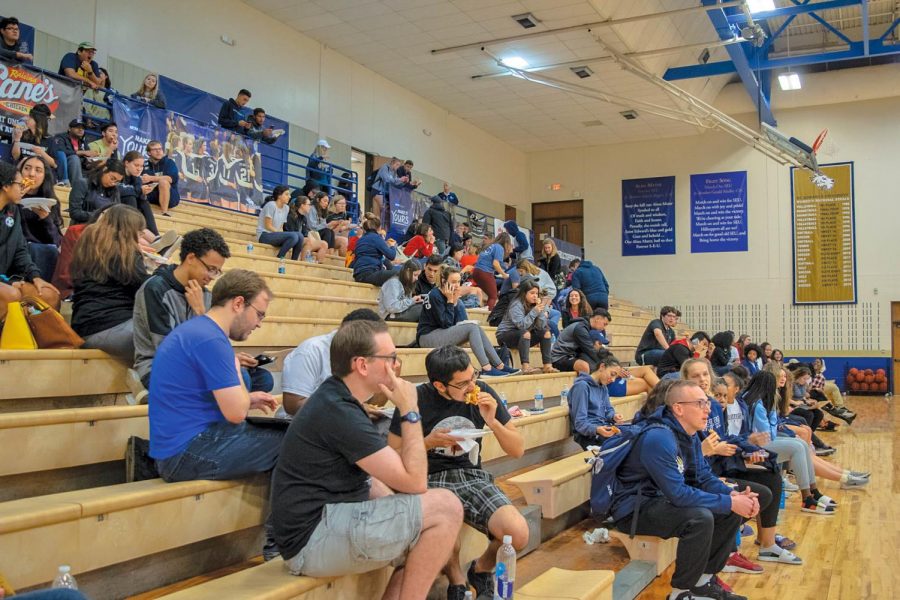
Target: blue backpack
x=606 y=462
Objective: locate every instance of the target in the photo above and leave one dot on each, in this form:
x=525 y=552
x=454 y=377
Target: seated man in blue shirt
x=198 y=427
x=162 y=171
x=666 y=485
x=591 y=414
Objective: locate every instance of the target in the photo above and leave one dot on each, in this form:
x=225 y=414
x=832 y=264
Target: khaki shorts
x=357 y=537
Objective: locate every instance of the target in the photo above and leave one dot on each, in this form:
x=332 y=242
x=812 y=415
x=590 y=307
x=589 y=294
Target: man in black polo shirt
x=334 y=506
x=445 y=406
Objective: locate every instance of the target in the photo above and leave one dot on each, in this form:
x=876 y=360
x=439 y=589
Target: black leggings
x=813 y=418
x=327 y=236
x=768 y=485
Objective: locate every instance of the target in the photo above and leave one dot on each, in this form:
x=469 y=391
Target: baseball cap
x=87 y=45
x=76 y=123
x=323 y=143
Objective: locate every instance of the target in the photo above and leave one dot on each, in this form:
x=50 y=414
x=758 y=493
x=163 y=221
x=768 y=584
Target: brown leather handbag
x=49 y=328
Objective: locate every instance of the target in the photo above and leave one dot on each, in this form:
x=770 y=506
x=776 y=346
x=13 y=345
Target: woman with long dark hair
x=98 y=189
x=526 y=324
x=107 y=270
x=271 y=221
x=33 y=138
x=42 y=228
x=576 y=306
x=133 y=191
x=397 y=299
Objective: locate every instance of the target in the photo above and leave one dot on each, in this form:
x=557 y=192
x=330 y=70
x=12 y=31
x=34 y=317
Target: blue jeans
x=224 y=451
x=68 y=166
x=287 y=240
x=44 y=256
x=553 y=321
x=257 y=379
x=648 y=357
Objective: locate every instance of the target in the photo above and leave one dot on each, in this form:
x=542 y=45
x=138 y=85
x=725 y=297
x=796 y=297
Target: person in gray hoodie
x=397 y=299
x=526 y=324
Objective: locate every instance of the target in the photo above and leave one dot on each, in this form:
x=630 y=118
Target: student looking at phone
x=444 y=321
x=526 y=324
x=397 y=299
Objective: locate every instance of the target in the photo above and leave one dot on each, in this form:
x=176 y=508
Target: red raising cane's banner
x=22 y=87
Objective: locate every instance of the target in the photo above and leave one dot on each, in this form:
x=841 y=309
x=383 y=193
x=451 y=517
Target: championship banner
x=215 y=166
x=824 y=237
x=648 y=216
x=22 y=87
x=204 y=108
x=719 y=212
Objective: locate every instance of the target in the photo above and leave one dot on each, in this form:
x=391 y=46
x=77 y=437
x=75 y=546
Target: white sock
x=845 y=476
x=774 y=549
x=674 y=593
x=704 y=579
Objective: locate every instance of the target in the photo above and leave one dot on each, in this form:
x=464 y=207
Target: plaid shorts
x=476 y=490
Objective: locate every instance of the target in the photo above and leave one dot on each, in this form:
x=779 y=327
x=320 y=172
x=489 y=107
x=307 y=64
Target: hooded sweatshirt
x=574 y=340
x=523 y=248
x=667 y=462
x=589 y=406
x=440 y=220
x=591 y=281
x=670 y=362
x=14 y=256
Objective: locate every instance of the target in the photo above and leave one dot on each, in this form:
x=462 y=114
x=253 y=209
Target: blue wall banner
x=648 y=216
x=215 y=166
x=567 y=251
x=719 y=212
x=402 y=211
x=204 y=108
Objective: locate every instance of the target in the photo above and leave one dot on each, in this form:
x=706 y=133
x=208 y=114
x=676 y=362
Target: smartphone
x=263 y=359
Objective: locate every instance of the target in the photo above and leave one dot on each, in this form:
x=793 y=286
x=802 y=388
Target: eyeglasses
x=466 y=384
x=11 y=28
x=393 y=358
x=22 y=185
x=701 y=404
x=260 y=313
x=213 y=271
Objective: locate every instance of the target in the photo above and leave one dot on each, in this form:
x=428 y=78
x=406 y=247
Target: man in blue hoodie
x=667 y=487
x=591 y=414
x=523 y=247
x=591 y=282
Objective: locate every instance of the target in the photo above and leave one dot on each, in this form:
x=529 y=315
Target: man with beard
x=198 y=427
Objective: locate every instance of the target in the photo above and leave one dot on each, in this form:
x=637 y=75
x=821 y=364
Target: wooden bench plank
x=563 y=584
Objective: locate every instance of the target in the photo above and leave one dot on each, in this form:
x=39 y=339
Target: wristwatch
x=411 y=417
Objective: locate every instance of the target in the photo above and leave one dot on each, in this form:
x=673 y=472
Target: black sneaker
x=681 y=596
x=138 y=464
x=482 y=582
x=714 y=591
x=457 y=592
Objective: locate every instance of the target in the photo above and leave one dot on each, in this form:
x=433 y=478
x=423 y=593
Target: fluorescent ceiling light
x=789 y=81
x=756 y=6
x=516 y=62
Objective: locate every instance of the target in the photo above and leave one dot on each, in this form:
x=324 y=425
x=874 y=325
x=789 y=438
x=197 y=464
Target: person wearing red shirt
x=422 y=244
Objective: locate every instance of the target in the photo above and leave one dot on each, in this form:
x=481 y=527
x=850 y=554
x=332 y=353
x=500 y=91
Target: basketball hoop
x=821 y=138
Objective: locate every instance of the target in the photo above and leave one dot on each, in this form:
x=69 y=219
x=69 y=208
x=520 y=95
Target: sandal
x=550 y=369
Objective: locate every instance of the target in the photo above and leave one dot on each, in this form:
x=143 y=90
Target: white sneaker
x=785 y=557
x=138 y=393
x=789 y=488
x=854 y=481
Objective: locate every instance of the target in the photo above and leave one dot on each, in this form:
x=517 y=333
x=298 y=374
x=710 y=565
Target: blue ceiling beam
x=788 y=11
x=741 y=60
x=877 y=47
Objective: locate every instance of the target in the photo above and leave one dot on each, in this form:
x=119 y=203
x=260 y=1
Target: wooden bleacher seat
x=95 y=528
x=271 y=581
x=563 y=584
x=649 y=548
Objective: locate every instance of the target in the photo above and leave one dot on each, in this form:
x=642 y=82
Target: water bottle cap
x=64 y=568
x=507 y=539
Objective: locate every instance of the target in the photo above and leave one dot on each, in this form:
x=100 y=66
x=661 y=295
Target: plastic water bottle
x=469 y=596
x=282 y=268
x=64 y=578
x=249 y=247
x=505 y=571
x=538 y=400
x=309 y=257
x=564 y=397
x=503 y=400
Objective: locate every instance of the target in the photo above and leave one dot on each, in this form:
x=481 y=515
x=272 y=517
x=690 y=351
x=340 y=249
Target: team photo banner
x=648 y=216
x=719 y=212
x=824 y=237
x=215 y=166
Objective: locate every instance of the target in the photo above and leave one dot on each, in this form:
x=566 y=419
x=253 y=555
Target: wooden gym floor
x=850 y=556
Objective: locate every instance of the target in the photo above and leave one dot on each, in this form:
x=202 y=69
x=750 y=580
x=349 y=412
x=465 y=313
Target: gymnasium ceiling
x=395 y=38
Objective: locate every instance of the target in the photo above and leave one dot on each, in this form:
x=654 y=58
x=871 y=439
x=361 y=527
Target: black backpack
x=500 y=308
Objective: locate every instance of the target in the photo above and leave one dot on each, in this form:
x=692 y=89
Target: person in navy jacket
x=591 y=414
x=667 y=487
x=373 y=255
x=590 y=280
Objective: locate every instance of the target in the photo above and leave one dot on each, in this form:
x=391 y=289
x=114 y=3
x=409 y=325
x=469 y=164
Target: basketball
x=860 y=376
x=882 y=387
x=879 y=378
x=869 y=372
x=864 y=387
x=852 y=372
x=854 y=386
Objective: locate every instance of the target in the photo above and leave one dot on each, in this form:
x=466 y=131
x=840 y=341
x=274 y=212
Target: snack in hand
x=472 y=397
x=615 y=430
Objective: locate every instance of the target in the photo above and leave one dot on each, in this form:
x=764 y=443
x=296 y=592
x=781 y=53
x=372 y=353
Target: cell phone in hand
x=263 y=359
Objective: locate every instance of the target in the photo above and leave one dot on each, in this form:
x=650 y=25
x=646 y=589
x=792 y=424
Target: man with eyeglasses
x=454 y=463
x=199 y=406
x=657 y=336
x=11 y=47
x=668 y=487
x=161 y=170
x=345 y=502
x=81 y=66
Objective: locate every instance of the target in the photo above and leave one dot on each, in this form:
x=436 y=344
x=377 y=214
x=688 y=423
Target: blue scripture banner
x=204 y=108
x=215 y=166
x=719 y=212
x=648 y=216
